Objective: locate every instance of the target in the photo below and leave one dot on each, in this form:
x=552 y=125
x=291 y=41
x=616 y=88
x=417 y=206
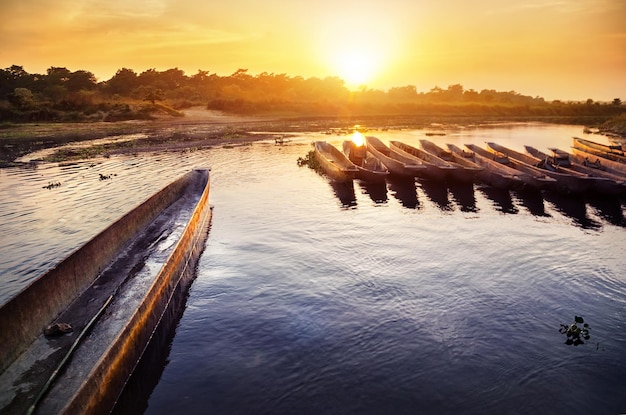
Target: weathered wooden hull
x=466 y=170
x=609 y=152
x=436 y=168
x=533 y=177
x=391 y=160
x=334 y=163
x=111 y=297
x=602 y=182
x=493 y=173
x=565 y=182
x=612 y=166
x=371 y=169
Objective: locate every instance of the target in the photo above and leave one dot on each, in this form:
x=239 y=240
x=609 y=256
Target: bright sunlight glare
x=358 y=139
x=356 y=67
x=354 y=51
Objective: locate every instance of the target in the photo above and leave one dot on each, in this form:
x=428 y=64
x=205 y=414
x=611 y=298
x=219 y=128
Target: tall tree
x=81 y=80
x=123 y=82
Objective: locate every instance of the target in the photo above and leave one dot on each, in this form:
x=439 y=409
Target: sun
x=356 y=67
x=354 y=51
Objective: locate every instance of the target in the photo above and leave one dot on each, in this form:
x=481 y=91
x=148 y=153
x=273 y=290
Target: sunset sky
x=556 y=49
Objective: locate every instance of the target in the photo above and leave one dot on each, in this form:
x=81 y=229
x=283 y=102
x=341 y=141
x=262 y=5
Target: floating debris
x=107 y=176
x=52 y=185
x=281 y=140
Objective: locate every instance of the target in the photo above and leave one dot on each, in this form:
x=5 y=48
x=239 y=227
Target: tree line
x=62 y=94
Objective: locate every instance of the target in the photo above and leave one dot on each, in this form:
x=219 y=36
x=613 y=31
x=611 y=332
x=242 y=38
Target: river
x=313 y=298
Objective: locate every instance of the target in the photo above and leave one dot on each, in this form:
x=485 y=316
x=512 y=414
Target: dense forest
x=64 y=95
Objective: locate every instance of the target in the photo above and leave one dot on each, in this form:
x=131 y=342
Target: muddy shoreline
x=201 y=128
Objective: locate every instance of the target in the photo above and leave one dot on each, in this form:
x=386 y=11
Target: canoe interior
x=132 y=268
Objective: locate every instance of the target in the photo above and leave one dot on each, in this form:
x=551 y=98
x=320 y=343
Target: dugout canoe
x=559 y=160
x=611 y=152
x=334 y=163
x=436 y=168
x=570 y=182
x=114 y=291
x=370 y=168
x=395 y=163
x=493 y=173
x=532 y=176
x=466 y=170
x=597 y=162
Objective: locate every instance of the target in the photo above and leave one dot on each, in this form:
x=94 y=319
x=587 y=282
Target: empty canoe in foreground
x=334 y=163
x=114 y=292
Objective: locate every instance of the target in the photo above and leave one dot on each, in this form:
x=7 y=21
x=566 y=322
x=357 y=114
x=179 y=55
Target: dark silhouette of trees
x=15 y=77
x=38 y=96
x=22 y=98
x=81 y=80
x=123 y=82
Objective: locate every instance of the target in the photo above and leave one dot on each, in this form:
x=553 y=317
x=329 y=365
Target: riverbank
x=201 y=128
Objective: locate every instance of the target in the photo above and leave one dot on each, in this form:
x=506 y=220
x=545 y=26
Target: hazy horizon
x=567 y=50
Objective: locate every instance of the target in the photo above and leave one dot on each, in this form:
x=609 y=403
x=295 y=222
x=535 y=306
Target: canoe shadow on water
x=437 y=192
x=500 y=199
x=404 y=190
x=609 y=209
x=574 y=207
x=531 y=199
x=344 y=191
x=376 y=191
x=463 y=195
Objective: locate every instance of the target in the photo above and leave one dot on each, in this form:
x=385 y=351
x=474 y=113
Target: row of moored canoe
x=591 y=167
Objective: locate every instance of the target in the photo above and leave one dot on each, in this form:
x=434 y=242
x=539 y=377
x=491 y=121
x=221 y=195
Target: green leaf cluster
x=310 y=160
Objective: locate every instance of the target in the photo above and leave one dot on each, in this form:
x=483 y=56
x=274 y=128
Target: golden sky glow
x=557 y=49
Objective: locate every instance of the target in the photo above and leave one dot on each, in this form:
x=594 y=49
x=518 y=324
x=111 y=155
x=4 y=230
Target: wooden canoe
x=114 y=291
x=396 y=165
x=572 y=182
x=598 y=162
x=466 y=170
x=532 y=177
x=436 y=168
x=493 y=173
x=370 y=168
x=603 y=182
x=611 y=152
x=334 y=163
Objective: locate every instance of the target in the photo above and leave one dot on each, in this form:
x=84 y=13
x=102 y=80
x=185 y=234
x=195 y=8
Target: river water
x=314 y=298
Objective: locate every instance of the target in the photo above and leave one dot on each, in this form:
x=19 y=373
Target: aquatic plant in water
x=310 y=161
x=576 y=332
x=52 y=185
